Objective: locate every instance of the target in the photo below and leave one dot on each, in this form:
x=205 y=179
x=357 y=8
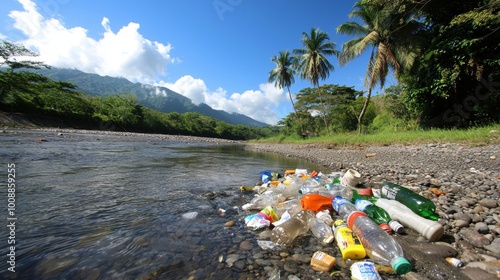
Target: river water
x=91 y=206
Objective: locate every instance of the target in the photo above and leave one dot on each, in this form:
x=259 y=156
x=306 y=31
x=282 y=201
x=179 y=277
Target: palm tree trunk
x=323 y=108
x=295 y=110
x=363 y=110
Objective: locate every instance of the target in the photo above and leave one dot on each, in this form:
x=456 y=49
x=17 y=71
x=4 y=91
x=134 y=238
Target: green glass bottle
x=417 y=203
x=377 y=214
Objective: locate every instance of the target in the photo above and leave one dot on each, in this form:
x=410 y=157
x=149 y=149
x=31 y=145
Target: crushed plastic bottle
x=284 y=234
x=315 y=202
x=263 y=200
x=320 y=230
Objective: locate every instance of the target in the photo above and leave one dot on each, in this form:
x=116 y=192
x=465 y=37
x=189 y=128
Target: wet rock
x=302 y=258
x=229 y=224
x=246 y=245
x=240 y=265
x=291 y=266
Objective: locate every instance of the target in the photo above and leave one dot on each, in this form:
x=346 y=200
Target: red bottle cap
x=386 y=227
x=352 y=217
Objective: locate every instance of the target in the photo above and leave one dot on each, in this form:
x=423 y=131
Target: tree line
x=444 y=54
x=38 y=96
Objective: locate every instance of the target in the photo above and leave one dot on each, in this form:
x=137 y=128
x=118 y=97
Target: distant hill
x=154 y=97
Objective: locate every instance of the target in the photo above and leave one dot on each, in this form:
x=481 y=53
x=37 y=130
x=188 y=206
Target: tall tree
x=283 y=74
x=10 y=53
x=312 y=62
x=388 y=36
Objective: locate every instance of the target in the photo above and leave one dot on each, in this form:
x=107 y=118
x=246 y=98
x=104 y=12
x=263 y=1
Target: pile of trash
x=336 y=208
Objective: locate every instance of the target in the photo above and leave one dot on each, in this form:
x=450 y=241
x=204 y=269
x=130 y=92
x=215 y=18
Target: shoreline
x=468 y=175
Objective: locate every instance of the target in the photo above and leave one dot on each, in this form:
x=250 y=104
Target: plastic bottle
x=349 y=244
x=325 y=216
x=287 y=190
x=379 y=216
x=379 y=245
x=321 y=230
x=417 y=203
x=293 y=206
x=284 y=234
x=431 y=230
x=343 y=207
x=263 y=200
x=315 y=202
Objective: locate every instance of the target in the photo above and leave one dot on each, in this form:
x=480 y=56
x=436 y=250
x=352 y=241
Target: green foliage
x=11 y=52
x=31 y=93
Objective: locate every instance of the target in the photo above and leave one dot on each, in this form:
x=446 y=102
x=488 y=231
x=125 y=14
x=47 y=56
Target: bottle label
x=389 y=192
x=339 y=202
x=361 y=204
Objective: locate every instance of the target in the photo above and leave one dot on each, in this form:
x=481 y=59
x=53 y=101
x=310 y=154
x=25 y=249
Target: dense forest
x=39 y=97
x=444 y=54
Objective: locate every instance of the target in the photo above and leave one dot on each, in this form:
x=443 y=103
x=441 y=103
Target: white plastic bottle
x=379 y=245
x=430 y=229
x=321 y=230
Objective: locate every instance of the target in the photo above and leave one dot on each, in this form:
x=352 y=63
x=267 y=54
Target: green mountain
x=154 y=97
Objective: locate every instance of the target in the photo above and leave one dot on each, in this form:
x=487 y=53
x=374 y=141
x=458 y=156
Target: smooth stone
x=482 y=228
x=489 y=203
x=475 y=238
x=477 y=273
x=494 y=247
x=462 y=216
x=435 y=249
x=291 y=266
x=301 y=258
x=229 y=224
x=263 y=262
x=488 y=267
x=246 y=245
x=240 y=264
x=461 y=223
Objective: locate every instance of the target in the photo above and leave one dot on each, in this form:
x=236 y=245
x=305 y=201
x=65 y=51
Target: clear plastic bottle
x=325 y=216
x=343 y=207
x=320 y=230
x=284 y=234
x=430 y=229
x=417 y=203
x=378 y=215
x=263 y=200
x=291 y=206
x=379 y=245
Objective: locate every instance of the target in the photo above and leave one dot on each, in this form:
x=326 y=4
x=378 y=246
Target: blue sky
x=212 y=51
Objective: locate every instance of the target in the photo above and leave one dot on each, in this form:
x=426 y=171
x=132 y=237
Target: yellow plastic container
x=349 y=244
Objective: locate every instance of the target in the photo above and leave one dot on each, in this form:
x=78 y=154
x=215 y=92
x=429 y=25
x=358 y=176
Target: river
x=97 y=206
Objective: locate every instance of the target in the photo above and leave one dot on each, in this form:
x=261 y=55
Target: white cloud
x=257 y=104
x=128 y=54
x=125 y=53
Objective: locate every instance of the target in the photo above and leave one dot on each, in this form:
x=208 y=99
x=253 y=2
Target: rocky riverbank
x=462 y=179
x=465 y=180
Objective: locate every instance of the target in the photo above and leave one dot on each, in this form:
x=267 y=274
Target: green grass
x=477 y=136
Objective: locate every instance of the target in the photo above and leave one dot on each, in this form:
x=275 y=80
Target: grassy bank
x=479 y=136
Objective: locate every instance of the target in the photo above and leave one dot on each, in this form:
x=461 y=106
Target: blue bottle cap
x=401 y=265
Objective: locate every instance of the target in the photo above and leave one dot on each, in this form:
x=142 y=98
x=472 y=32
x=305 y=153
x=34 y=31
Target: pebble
x=229 y=224
x=489 y=203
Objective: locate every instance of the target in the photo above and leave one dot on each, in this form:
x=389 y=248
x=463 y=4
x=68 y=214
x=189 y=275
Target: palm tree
x=283 y=75
x=388 y=35
x=312 y=61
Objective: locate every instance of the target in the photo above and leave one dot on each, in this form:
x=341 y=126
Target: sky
x=216 y=52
